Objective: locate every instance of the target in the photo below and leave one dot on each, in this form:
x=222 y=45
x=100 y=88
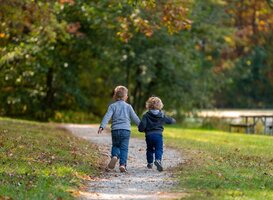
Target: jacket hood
x=154 y=114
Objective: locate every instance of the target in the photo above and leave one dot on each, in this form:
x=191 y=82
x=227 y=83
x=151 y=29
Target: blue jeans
x=120 y=143
x=154 y=143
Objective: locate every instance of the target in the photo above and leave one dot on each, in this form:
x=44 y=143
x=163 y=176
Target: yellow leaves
x=143 y=3
x=209 y=57
x=262 y=23
x=2 y=35
x=134 y=23
x=124 y=33
x=263 y=26
x=248 y=62
x=58 y=115
x=174 y=17
x=228 y=39
x=253 y=21
x=124 y=36
x=143 y=26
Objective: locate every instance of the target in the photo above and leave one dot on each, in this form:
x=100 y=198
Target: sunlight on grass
x=40 y=161
x=248 y=144
x=60 y=171
x=223 y=165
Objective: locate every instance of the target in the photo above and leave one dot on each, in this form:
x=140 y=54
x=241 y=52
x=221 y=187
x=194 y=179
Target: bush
x=74 y=117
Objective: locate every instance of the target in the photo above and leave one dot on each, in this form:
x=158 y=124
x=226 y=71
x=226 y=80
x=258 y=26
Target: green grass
x=223 y=165
x=39 y=161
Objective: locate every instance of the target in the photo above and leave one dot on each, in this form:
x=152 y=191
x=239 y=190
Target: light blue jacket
x=121 y=114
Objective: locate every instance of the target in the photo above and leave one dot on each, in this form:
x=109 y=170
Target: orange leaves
x=124 y=34
x=174 y=17
x=251 y=18
x=169 y=15
x=138 y=24
x=144 y=26
x=263 y=26
x=134 y=23
x=70 y=2
x=2 y=35
x=73 y=28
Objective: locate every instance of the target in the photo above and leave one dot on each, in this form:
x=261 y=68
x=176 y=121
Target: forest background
x=60 y=60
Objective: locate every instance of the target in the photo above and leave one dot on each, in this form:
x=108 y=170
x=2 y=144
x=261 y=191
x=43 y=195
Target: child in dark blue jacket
x=152 y=124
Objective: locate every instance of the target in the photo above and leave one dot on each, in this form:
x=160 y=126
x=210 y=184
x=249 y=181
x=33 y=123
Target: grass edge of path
x=220 y=165
x=43 y=161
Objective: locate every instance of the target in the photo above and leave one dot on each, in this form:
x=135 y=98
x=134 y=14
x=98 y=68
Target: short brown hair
x=154 y=103
x=120 y=93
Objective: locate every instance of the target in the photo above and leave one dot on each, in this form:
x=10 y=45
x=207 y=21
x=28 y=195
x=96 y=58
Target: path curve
x=139 y=182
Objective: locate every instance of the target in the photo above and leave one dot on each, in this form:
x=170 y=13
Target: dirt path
x=139 y=182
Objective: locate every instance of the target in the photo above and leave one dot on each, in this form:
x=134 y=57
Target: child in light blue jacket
x=121 y=114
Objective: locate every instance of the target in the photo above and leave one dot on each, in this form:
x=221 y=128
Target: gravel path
x=139 y=182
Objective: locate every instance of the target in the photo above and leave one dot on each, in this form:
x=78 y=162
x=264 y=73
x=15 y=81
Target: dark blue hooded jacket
x=152 y=122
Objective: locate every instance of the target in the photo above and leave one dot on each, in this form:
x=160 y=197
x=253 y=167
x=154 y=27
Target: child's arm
x=169 y=120
x=106 y=119
x=133 y=116
x=143 y=124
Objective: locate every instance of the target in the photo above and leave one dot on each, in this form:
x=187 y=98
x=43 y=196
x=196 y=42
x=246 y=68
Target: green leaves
x=68 y=54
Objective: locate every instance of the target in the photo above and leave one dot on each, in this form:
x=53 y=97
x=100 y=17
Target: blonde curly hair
x=154 y=103
x=120 y=93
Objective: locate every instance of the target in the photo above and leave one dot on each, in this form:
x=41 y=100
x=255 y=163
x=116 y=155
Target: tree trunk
x=49 y=99
x=137 y=92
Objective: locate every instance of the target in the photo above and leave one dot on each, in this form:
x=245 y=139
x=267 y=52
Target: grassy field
x=223 y=165
x=39 y=161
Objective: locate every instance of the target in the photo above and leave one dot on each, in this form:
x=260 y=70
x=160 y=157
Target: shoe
x=122 y=168
x=150 y=165
x=158 y=165
x=112 y=162
x=107 y=169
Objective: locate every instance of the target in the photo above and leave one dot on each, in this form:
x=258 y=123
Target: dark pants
x=154 y=143
x=120 y=143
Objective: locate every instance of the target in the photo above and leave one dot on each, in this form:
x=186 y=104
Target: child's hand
x=100 y=130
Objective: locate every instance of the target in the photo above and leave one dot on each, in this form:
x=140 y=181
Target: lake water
x=232 y=113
